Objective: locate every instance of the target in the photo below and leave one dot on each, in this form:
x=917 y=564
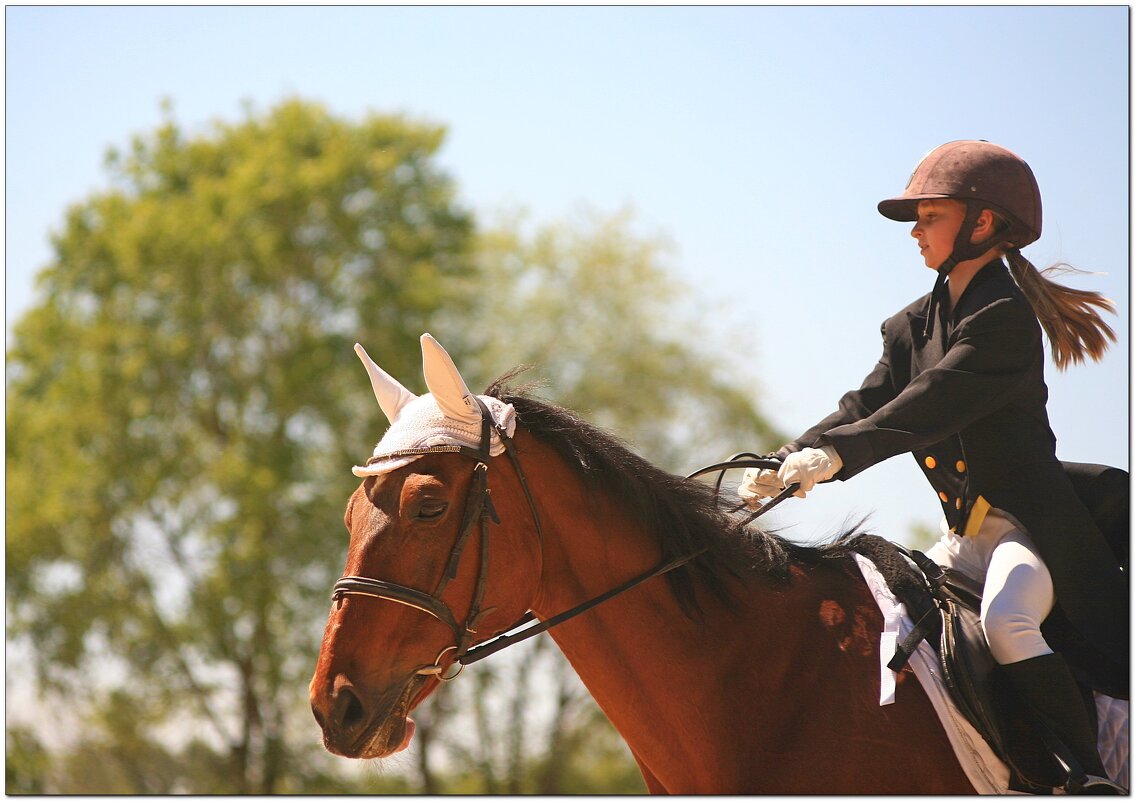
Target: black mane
x=685 y=515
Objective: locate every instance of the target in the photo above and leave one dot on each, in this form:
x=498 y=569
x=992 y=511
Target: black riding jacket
x=969 y=404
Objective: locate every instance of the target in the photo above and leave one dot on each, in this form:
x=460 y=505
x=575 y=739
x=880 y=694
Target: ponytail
x=1075 y=329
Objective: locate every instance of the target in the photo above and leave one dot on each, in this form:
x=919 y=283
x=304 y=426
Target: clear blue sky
x=757 y=139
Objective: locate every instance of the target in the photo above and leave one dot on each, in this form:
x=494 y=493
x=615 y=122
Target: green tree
x=183 y=404
x=600 y=313
x=922 y=537
x=28 y=763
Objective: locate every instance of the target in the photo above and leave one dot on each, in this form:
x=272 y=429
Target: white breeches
x=1018 y=592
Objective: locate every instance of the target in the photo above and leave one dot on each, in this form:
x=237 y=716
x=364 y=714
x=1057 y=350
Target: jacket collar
x=986 y=274
x=922 y=328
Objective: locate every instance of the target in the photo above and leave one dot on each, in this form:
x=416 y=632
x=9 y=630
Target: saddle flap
x=947 y=606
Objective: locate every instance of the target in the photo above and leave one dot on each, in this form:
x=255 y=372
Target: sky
x=757 y=140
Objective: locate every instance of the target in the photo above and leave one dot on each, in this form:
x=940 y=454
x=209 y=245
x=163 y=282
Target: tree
x=28 y=763
x=183 y=405
x=597 y=310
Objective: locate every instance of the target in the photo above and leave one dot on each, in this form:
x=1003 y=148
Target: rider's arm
x=993 y=354
x=877 y=390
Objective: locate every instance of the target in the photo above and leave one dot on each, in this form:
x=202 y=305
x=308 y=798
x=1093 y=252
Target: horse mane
x=684 y=515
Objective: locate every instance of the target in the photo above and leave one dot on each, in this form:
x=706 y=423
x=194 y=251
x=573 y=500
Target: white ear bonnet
x=447 y=415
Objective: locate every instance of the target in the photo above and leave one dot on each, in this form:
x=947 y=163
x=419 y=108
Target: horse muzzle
x=364 y=725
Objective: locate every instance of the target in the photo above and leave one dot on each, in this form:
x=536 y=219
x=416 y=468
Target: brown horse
x=753 y=668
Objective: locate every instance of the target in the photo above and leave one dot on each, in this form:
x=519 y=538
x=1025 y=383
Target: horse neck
x=592 y=545
x=648 y=665
x=779 y=695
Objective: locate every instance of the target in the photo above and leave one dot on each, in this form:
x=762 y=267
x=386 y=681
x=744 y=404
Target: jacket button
x=958 y=503
x=945 y=498
x=930 y=462
x=960 y=466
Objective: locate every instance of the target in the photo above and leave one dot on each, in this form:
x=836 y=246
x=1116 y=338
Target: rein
x=748 y=460
x=479 y=510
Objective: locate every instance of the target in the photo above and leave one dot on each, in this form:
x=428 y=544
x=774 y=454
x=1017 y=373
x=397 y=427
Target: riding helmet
x=975 y=170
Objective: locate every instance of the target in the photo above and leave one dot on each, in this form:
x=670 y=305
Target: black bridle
x=478 y=511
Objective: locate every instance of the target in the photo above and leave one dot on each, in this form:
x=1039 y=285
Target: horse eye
x=431 y=510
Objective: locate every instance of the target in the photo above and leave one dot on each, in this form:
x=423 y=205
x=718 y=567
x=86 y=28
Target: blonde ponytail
x=1069 y=316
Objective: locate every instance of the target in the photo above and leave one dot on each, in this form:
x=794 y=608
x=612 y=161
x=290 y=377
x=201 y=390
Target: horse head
x=419 y=587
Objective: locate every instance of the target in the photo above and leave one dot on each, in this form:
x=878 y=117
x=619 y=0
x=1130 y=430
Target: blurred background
x=668 y=211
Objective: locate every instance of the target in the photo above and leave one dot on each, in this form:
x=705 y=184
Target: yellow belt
x=976 y=516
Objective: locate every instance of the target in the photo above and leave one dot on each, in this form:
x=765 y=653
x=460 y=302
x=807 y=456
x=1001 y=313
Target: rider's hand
x=757 y=484
x=809 y=467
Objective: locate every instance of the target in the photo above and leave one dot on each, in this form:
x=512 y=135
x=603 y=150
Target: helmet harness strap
x=963 y=250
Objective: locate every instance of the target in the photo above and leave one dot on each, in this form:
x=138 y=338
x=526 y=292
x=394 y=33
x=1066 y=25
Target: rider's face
x=935 y=229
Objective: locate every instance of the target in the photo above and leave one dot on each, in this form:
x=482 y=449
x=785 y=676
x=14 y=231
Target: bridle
x=479 y=510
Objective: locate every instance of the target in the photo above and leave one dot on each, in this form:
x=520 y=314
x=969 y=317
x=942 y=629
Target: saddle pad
x=987 y=773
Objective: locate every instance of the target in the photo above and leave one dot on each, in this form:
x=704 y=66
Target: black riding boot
x=1048 y=687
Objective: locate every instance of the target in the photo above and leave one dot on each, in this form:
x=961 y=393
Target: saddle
x=945 y=606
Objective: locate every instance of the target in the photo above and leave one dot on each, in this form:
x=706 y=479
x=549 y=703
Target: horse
x=751 y=667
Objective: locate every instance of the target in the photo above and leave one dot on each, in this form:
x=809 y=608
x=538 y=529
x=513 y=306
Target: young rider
x=960 y=385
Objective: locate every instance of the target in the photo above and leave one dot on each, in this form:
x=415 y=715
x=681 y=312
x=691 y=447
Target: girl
x=960 y=385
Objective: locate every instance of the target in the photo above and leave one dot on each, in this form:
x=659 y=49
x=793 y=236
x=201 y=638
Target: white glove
x=809 y=467
x=757 y=484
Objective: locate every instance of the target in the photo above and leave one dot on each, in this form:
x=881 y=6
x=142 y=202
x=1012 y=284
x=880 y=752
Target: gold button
x=931 y=462
x=958 y=503
x=945 y=498
x=960 y=466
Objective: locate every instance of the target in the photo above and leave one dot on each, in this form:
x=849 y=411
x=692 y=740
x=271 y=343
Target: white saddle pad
x=986 y=772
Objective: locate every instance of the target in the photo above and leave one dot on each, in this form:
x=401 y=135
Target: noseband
x=478 y=511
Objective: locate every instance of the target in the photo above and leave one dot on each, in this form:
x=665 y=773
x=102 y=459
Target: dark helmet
x=981 y=174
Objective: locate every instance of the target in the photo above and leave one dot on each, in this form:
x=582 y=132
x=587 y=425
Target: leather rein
x=479 y=510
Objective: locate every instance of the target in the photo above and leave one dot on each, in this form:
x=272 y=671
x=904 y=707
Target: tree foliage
x=614 y=334
x=184 y=400
x=184 y=405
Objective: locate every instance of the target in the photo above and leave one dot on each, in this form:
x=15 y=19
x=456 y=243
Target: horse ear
x=446 y=384
x=391 y=395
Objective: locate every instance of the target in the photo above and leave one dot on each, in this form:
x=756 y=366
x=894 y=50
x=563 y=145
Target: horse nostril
x=349 y=709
